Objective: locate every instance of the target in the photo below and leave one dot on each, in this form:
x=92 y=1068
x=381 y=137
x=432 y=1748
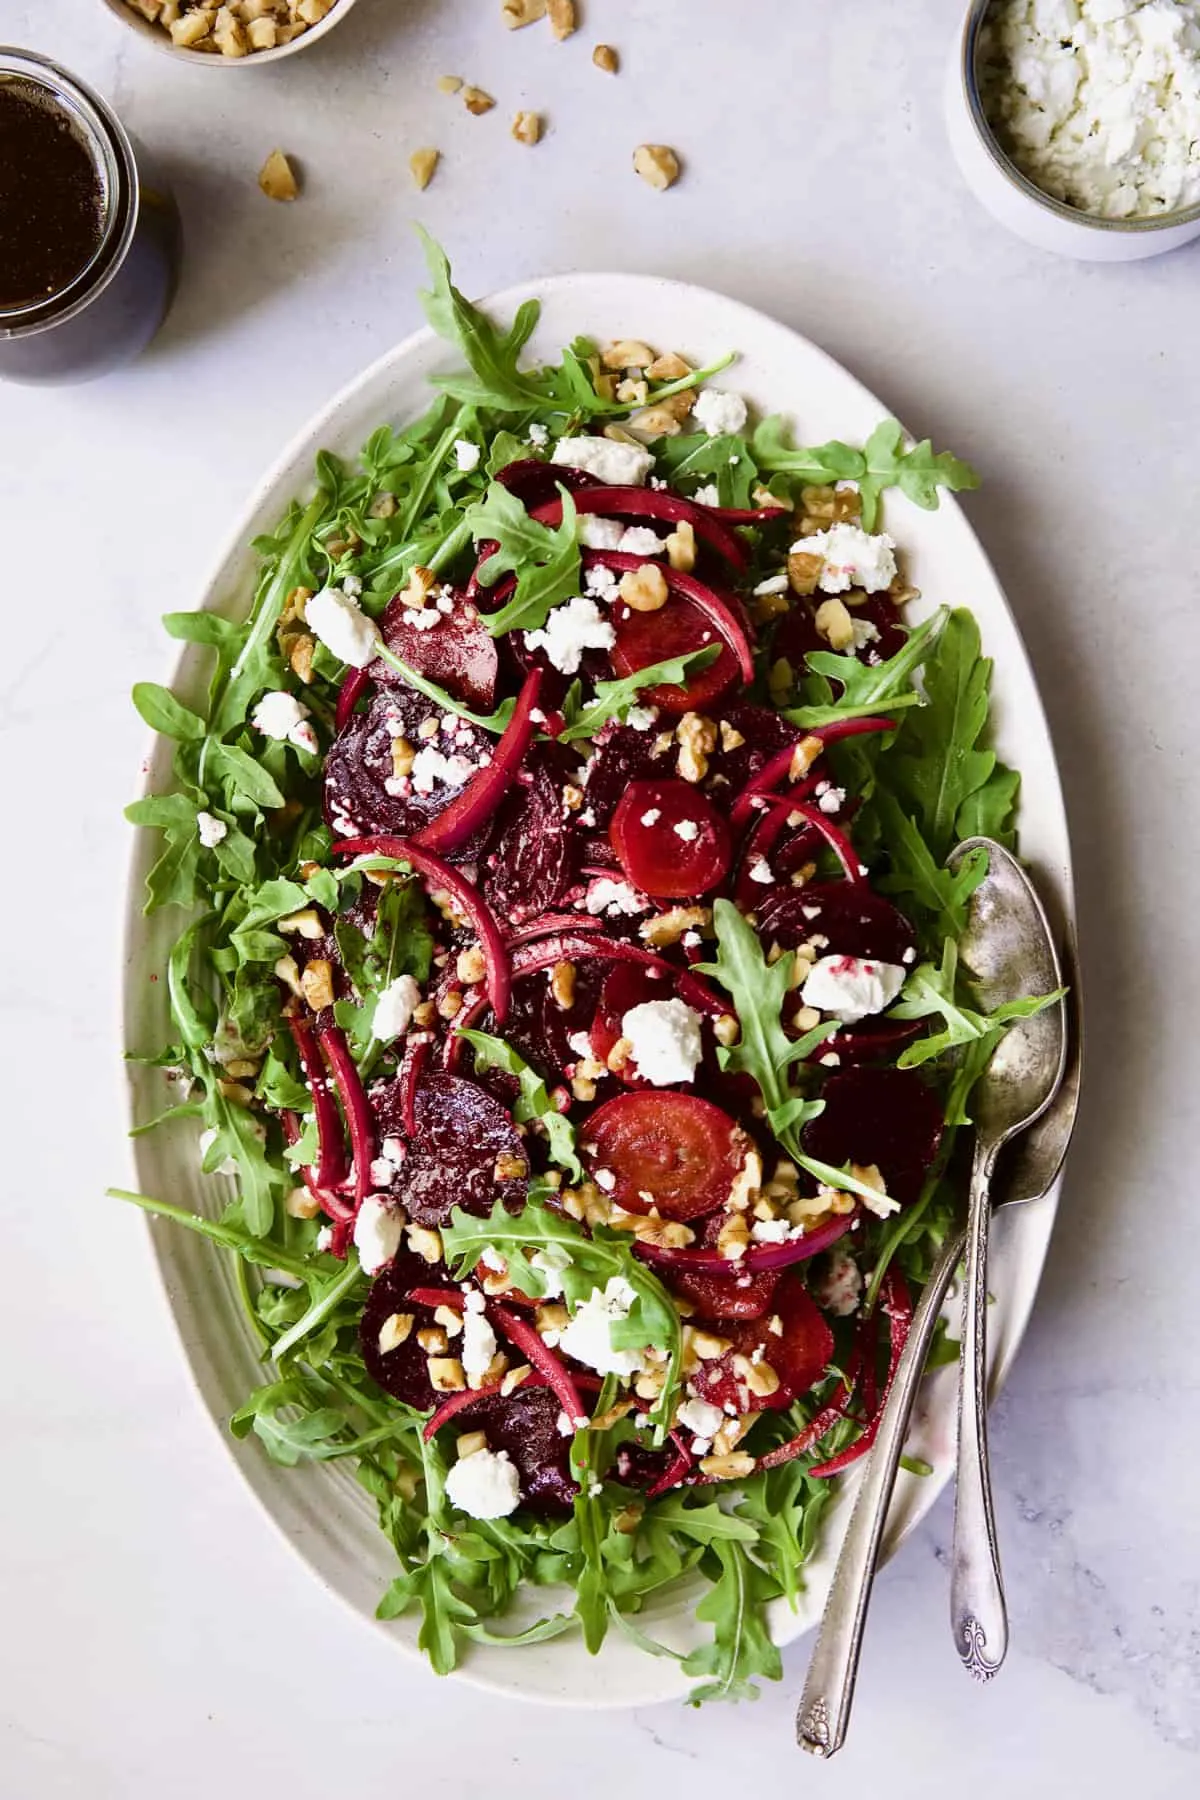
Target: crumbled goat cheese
x=708 y=495
x=613 y=463
x=1098 y=102
x=774 y=584
x=588 y=1336
x=378 y=1228
x=325 y=1238
x=550 y=1264
x=478 y=1342
x=864 y=633
x=664 y=1038
x=760 y=870
x=484 y=1485
x=687 y=829
x=210 y=831
x=342 y=626
x=394 y=1008
x=431 y=766
x=572 y=628
x=598 y=533
x=830 y=798
x=652 y=816
x=639 y=540
x=602 y=582
x=839 y=1288
x=852 y=558
x=538 y=434
x=718 y=412
x=701 y=1417
x=281 y=716
x=466 y=455
x=492 y=1259
x=641 y=718
x=613 y=898
x=770 y=1231
x=851 y=987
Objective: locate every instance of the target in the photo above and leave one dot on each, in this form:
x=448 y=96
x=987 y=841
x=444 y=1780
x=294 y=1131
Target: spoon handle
x=977 y=1612
x=824 y=1711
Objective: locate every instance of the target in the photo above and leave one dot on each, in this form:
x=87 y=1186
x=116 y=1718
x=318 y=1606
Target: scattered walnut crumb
x=518 y=13
x=527 y=127
x=657 y=164
x=423 y=164
x=606 y=58
x=449 y=84
x=277 y=178
x=476 y=101
x=562 y=18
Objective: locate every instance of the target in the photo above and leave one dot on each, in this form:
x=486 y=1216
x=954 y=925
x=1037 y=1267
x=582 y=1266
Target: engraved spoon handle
x=824 y=1711
x=977 y=1611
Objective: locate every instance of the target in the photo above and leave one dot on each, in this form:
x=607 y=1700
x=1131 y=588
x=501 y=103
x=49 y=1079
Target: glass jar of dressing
x=89 y=242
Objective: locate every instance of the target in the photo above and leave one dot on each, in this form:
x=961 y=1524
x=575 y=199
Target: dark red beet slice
x=666 y=1149
x=359 y=767
x=796 y=635
x=883 y=1116
x=798 y=1352
x=525 y=1423
x=535 y=482
x=530 y=868
x=763 y=732
x=403 y=1372
x=672 y=842
x=676 y=629
x=459 y=652
x=640 y=1467
x=628 y=755
x=461 y=1130
x=856 y=921
x=738 y=1297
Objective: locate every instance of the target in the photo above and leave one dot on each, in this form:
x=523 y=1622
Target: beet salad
x=566 y=978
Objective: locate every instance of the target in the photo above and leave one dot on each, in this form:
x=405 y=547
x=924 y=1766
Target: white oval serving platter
x=320 y=1510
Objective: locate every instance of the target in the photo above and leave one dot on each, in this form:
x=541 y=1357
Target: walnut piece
x=423 y=165
x=657 y=164
x=562 y=18
x=606 y=58
x=645 y=589
x=476 y=101
x=527 y=127
x=277 y=178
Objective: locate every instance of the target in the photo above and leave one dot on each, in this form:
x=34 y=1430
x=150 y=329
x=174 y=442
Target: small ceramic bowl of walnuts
x=230 y=34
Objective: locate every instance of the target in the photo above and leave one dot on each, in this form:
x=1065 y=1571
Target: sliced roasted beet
x=855 y=921
x=676 y=629
x=461 y=1130
x=665 y=1149
x=763 y=734
x=404 y=1371
x=628 y=755
x=654 y=503
x=525 y=1423
x=459 y=652
x=530 y=867
x=671 y=840
x=359 y=801
x=733 y=1297
x=872 y=1041
x=640 y=1467
x=535 y=482
x=883 y=1116
x=798 y=1351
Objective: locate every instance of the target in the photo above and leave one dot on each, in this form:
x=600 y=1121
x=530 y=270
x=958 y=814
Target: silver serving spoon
x=1027 y=1171
x=1008 y=949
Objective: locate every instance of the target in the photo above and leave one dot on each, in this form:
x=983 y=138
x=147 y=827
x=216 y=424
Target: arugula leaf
x=400 y=944
x=930 y=992
x=786 y=1507
x=164 y=713
x=223 y=1232
x=870 y=688
x=494 y=721
x=763 y=1050
x=882 y=463
x=544 y=558
x=491 y=354
x=533 y=1101
x=613 y=699
x=587 y=1263
x=695 y=459
x=741 y=1649
x=912 y=871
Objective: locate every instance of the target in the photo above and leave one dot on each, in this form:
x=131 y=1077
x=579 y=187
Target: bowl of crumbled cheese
x=1077 y=122
x=230 y=34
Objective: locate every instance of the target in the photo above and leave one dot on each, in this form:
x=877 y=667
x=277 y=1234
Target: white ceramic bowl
x=158 y=39
x=320 y=1509
x=1012 y=198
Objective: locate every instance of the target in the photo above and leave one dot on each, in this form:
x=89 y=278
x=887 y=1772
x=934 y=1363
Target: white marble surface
x=157 y=1638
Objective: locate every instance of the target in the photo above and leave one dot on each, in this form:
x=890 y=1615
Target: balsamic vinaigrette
x=51 y=198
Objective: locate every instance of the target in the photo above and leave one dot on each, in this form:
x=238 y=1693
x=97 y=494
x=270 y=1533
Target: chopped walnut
x=726 y=1029
x=300 y=657
x=668 y=927
x=316 y=984
x=657 y=164
x=228 y=33
x=471 y=965
x=450 y=1004
x=277 y=178
x=628 y=353
x=432 y=1340
x=509 y=1167
x=527 y=127
x=759 y=1377
x=670 y=367
x=394 y=1331
x=632 y=393
x=425 y=1242
x=300 y=1204
x=449 y=84
x=644 y=589
x=804 y=571
x=697 y=738
x=804 y=756
x=733 y=1467
x=403 y=758
x=619 y=1055
x=423 y=165
x=424 y=1015
x=562 y=985
x=446 y=1375
x=733 y=1239
x=518 y=13
x=421 y=583
x=476 y=101
x=835 y=625
x=681 y=547
x=606 y=58
x=583 y=1088
x=470 y=1443
x=562 y=18
x=731 y=738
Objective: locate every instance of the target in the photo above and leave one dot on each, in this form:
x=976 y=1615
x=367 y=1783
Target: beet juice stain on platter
x=89 y=240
